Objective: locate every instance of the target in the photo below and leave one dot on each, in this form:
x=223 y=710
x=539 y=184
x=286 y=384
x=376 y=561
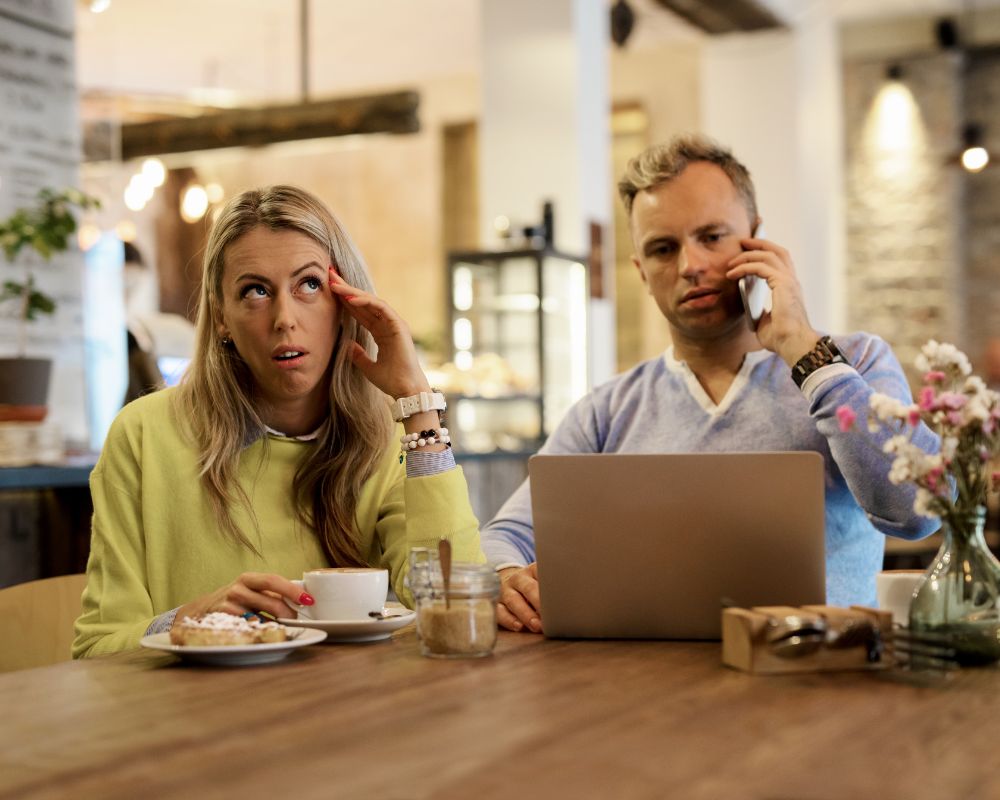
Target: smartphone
x=756 y=296
x=755 y=293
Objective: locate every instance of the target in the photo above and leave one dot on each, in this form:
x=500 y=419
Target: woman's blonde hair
x=217 y=394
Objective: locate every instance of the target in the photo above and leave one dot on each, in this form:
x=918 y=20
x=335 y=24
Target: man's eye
x=713 y=237
x=662 y=250
x=253 y=291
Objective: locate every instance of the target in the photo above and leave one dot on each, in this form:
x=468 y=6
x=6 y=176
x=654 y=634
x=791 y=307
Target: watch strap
x=823 y=354
x=404 y=407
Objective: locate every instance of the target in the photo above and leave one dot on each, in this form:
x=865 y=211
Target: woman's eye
x=253 y=292
x=311 y=285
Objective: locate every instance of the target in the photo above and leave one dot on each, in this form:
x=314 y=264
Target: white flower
x=943 y=357
x=923 y=503
x=887 y=408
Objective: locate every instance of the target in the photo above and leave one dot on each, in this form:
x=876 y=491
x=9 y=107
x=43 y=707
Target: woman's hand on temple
x=251 y=591
x=519 y=604
x=396 y=369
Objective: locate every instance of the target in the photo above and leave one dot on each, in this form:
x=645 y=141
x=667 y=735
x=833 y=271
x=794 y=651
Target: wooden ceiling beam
x=724 y=16
x=250 y=127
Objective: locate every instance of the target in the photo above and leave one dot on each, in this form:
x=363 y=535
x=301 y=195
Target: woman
x=277 y=453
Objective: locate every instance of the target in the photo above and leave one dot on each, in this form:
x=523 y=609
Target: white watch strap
x=417 y=403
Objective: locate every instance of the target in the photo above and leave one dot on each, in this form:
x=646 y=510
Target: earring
x=226 y=341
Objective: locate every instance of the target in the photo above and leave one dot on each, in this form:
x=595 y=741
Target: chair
x=36 y=621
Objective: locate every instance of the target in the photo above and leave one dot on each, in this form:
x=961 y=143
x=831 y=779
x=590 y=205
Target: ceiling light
x=154 y=171
x=99 y=6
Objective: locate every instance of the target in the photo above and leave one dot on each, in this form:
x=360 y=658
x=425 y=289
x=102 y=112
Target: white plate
x=359 y=630
x=236 y=655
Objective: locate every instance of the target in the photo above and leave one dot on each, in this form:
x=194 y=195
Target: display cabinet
x=518 y=346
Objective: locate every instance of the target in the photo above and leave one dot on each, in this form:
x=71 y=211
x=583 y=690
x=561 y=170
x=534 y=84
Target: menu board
x=40 y=147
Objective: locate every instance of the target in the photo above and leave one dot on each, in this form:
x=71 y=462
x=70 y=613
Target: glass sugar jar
x=463 y=625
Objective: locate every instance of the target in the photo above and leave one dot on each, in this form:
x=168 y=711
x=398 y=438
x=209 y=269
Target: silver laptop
x=651 y=546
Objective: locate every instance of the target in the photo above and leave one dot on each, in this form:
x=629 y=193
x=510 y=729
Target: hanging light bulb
x=154 y=171
x=974 y=157
x=194 y=203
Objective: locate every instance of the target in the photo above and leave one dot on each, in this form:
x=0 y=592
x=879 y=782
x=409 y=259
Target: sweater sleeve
x=417 y=512
x=509 y=538
x=858 y=453
x=117 y=608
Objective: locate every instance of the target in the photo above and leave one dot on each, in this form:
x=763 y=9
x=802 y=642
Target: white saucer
x=236 y=655
x=359 y=630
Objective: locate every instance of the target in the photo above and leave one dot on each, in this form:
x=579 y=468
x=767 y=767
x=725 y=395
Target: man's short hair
x=664 y=162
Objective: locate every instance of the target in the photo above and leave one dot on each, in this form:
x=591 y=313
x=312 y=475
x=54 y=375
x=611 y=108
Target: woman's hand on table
x=518 y=609
x=251 y=591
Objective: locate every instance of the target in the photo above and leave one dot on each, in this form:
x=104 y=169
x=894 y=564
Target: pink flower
x=953 y=400
x=928 y=398
x=995 y=477
x=913 y=417
x=934 y=376
x=933 y=476
x=955 y=419
x=846 y=417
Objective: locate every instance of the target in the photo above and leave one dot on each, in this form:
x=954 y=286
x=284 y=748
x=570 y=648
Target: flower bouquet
x=960 y=593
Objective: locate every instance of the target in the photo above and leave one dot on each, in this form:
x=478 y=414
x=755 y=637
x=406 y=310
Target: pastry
x=219 y=628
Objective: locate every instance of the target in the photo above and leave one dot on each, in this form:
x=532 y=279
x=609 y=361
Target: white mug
x=343 y=593
x=895 y=589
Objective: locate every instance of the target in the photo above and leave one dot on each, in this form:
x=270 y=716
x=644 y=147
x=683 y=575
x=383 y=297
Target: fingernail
x=348 y=296
x=517 y=625
x=535 y=624
x=306 y=599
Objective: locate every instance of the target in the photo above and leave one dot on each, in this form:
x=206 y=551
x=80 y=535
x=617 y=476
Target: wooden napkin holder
x=745 y=646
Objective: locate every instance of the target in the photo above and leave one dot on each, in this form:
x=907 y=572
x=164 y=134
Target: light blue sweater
x=659 y=407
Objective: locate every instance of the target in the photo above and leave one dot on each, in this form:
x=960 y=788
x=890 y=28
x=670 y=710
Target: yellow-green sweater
x=155 y=544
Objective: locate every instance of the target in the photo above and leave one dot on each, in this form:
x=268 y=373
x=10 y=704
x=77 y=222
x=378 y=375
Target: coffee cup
x=894 y=589
x=343 y=593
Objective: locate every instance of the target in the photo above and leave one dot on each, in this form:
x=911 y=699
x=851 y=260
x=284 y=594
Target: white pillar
x=775 y=99
x=545 y=132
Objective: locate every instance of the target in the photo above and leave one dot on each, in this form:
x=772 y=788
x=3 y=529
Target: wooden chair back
x=36 y=621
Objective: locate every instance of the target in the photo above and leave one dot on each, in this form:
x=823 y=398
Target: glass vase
x=960 y=592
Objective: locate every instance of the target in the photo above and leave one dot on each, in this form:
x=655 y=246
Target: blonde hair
x=663 y=162
x=216 y=397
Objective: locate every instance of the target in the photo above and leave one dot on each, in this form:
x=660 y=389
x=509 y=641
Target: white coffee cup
x=895 y=589
x=343 y=593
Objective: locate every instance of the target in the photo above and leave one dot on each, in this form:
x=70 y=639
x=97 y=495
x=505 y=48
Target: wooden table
x=549 y=719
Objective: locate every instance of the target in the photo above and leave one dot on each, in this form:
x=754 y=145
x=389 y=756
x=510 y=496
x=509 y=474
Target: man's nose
x=692 y=260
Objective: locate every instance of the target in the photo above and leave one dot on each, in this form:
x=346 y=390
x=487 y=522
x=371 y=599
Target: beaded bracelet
x=412 y=441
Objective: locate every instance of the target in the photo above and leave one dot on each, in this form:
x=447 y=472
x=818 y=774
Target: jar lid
x=468 y=580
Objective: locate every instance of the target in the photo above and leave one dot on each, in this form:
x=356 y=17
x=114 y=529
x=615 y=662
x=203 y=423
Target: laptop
x=653 y=546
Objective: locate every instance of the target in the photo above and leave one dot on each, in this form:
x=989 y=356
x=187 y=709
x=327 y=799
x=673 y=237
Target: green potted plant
x=46 y=228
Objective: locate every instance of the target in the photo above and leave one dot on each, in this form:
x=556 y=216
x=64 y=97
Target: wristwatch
x=417 y=403
x=825 y=352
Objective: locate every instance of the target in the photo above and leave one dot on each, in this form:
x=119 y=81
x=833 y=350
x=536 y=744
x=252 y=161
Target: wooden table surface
x=540 y=718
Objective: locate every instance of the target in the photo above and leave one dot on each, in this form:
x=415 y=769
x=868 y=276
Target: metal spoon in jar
x=444 y=556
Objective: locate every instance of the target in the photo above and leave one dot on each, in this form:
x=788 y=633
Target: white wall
x=774 y=98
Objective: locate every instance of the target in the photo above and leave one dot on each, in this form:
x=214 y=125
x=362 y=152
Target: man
x=722 y=386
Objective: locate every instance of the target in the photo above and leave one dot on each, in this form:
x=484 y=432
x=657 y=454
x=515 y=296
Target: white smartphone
x=755 y=293
x=756 y=296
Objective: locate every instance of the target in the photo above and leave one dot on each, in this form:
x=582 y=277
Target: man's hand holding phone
x=519 y=606
x=785 y=328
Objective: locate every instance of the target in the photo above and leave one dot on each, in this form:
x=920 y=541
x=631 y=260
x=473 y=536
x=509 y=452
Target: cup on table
x=343 y=593
x=894 y=589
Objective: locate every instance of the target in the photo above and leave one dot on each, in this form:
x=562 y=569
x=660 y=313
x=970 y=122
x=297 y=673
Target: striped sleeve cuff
x=162 y=623
x=420 y=464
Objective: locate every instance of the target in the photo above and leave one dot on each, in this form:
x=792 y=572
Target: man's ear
x=756 y=227
x=642 y=272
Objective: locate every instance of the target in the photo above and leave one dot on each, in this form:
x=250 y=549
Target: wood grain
x=541 y=718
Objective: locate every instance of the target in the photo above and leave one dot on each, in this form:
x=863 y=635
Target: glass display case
x=518 y=346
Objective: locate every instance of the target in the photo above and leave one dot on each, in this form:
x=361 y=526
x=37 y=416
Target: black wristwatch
x=825 y=352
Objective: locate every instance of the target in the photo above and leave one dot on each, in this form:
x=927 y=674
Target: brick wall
x=923 y=236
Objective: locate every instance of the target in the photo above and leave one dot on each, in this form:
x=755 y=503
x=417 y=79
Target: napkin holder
x=745 y=646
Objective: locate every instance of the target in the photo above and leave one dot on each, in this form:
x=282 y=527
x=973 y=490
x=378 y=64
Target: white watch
x=417 y=403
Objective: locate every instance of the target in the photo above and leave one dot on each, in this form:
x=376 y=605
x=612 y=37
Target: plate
x=236 y=655
x=359 y=630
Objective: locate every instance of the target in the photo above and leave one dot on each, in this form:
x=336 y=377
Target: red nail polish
x=348 y=296
x=306 y=599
